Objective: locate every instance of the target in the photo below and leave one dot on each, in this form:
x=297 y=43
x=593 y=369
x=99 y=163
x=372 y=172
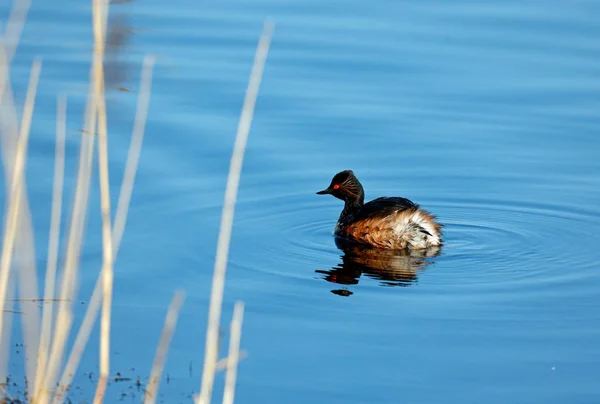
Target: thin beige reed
x=24 y=252
x=135 y=147
x=69 y=275
x=234 y=352
x=16 y=191
x=63 y=322
x=107 y=249
x=53 y=241
x=52 y=347
x=14 y=28
x=223 y=363
x=120 y=220
x=163 y=347
x=73 y=250
x=233 y=179
x=24 y=246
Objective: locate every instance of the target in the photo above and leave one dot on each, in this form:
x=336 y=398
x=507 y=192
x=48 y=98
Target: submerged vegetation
x=51 y=363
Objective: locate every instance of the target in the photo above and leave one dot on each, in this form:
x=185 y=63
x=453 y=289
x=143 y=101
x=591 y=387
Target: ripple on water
x=285 y=231
x=506 y=243
x=514 y=242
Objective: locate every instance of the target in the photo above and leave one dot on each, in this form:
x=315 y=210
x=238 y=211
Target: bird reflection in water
x=391 y=267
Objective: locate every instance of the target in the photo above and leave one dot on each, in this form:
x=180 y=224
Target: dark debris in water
x=119 y=378
x=341 y=292
x=131 y=387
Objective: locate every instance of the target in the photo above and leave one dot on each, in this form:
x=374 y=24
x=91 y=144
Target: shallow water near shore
x=486 y=115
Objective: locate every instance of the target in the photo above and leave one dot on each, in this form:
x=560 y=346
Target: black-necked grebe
x=386 y=222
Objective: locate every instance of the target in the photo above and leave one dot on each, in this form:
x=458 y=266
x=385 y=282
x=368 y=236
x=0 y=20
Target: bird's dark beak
x=324 y=192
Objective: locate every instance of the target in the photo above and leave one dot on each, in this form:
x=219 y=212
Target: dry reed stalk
x=12 y=219
x=53 y=241
x=6 y=304
x=133 y=156
x=4 y=66
x=24 y=247
x=69 y=276
x=5 y=344
x=107 y=249
x=61 y=331
x=97 y=105
x=80 y=342
x=163 y=347
x=223 y=363
x=63 y=320
x=25 y=257
x=9 y=138
x=120 y=220
x=19 y=224
x=233 y=179
x=14 y=28
x=73 y=250
x=234 y=352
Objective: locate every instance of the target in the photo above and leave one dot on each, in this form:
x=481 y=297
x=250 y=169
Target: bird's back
x=391 y=222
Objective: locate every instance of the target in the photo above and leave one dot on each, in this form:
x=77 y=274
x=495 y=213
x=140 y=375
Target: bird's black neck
x=352 y=206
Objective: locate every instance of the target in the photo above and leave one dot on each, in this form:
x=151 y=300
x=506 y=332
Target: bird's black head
x=345 y=186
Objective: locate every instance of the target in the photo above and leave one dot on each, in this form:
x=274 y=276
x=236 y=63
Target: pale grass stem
x=12 y=220
x=14 y=28
x=4 y=68
x=233 y=179
x=223 y=363
x=73 y=250
x=80 y=342
x=63 y=321
x=120 y=220
x=53 y=241
x=61 y=331
x=234 y=352
x=107 y=249
x=47 y=364
x=69 y=275
x=9 y=138
x=23 y=249
x=135 y=146
x=163 y=347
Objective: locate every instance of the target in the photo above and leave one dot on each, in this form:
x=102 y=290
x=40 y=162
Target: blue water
x=484 y=113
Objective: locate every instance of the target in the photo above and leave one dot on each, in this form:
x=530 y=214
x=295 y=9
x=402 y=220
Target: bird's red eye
x=336 y=186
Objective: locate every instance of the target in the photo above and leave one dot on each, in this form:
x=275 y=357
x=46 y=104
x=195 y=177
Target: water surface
x=485 y=114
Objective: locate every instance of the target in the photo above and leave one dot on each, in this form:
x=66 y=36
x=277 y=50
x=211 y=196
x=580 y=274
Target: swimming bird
x=386 y=222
